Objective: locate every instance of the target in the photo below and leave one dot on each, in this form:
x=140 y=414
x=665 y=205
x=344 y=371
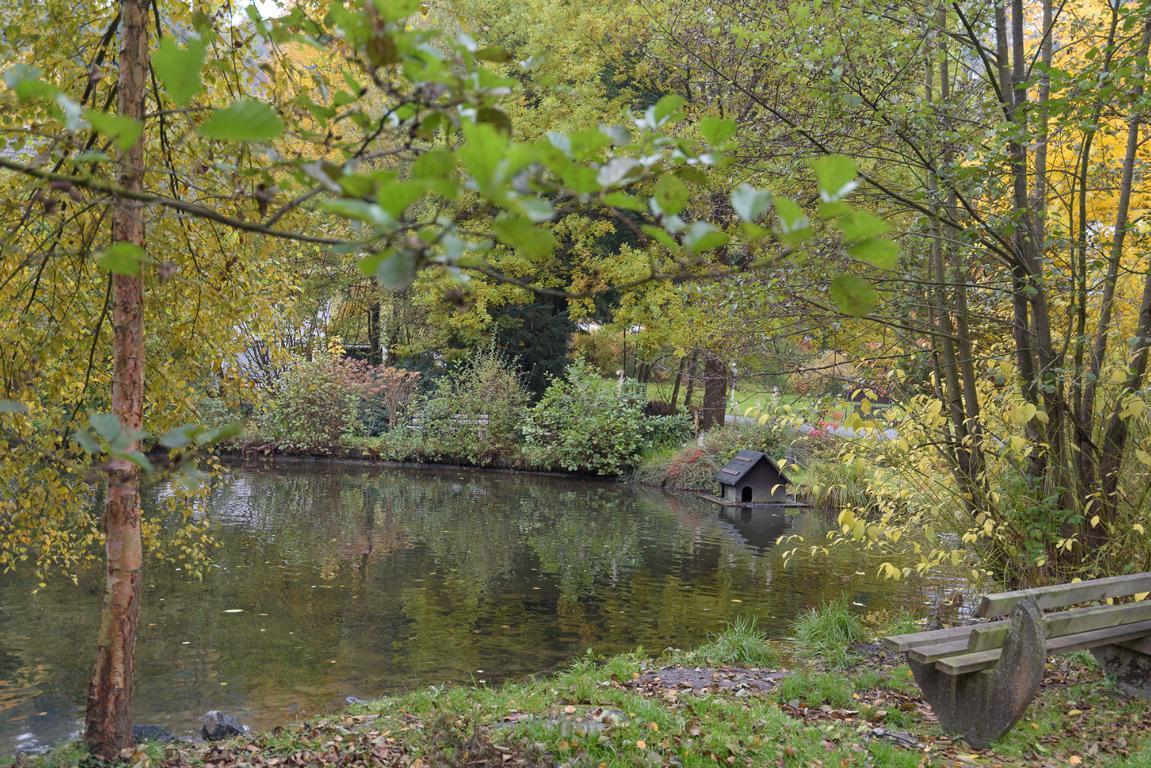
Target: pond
x=340 y=579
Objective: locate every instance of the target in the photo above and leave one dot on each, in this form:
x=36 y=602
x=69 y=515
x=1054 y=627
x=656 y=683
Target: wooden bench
x=980 y=678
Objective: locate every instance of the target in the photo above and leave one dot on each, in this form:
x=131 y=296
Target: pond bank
x=359 y=457
x=352 y=459
x=729 y=702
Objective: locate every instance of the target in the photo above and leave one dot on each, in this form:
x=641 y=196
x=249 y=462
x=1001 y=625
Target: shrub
x=666 y=431
x=835 y=483
x=692 y=469
x=600 y=349
x=474 y=413
x=397 y=387
x=580 y=425
x=314 y=404
x=216 y=411
x=652 y=469
x=828 y=633
x=773 y=438
x=688 y=469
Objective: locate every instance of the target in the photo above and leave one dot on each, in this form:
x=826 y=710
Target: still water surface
x=336 y=580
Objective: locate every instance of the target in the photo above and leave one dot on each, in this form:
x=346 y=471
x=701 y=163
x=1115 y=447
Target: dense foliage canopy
x=941 y=205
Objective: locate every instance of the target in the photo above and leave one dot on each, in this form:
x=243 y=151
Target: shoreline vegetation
x=828 y=697
x=478 y=414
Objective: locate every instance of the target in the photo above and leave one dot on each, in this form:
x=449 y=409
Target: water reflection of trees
x=358 y=580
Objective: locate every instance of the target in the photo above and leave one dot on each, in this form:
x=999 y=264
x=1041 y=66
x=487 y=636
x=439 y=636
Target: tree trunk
x=678 y=379
x=691 y=374
x=108 y=721
x=375 y=353
x=1115 y=437
x=1096 y=535
x=714 y=409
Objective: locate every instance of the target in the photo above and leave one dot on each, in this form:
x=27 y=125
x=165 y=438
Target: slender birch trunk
x=108 y=721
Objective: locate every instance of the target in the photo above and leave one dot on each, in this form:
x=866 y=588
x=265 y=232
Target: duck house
x=752 y=477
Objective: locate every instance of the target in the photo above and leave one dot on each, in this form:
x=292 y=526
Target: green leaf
x=702 y=236
x=122 y=131
x=495 y=117
x=535 y=208
x=394 y=10
x=11 y=406
x=396 y=196
x=20 y=73
x=25 y=82
x=671 y=194
x=87 y=442
x=122 y=258
x=179 y=68
x=91 y=156
x=616 y=170
x=624 y=201
x=137 y=458
x=716 y=130
x=178 y=437
x=482 y=152
x=615 y=134
x=434 y=164
x=829 y=211
x=580 y=179
x=107 y=425
x=861 y=225
x=667 y=109
x=836 y=176
x=216 y=434
x=437 y=170
x=360 y=210
x=853 y=295
x=529 y=240
x=492 y=53
x=879 y=252
x=750 y=203
x=661 y=237
x=362 y=185
x=394 y=269
x=243 y=120
x=792 y=219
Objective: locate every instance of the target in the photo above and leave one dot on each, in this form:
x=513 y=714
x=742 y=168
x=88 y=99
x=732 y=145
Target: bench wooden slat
x=904 y=643
x=1062 y=595
x=925 y=654
x=985 y=637
x=991 y=635
x=973 y=662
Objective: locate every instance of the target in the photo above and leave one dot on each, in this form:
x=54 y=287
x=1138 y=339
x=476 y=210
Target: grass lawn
x=848 y=709
x=747 y=393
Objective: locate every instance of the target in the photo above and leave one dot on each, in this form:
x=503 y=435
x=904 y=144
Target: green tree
x=226 y=138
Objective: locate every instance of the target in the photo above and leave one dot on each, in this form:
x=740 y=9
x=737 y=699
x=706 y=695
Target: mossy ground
x=609 y=713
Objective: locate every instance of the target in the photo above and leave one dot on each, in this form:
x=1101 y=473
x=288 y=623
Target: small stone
x=218 y=726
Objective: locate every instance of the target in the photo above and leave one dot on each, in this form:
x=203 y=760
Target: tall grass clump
x=828 y=633
x=740 y=643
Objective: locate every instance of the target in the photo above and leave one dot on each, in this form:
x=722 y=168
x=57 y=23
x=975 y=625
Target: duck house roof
x=742 y=463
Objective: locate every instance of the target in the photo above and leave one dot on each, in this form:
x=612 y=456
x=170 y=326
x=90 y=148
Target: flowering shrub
x=317 y=403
